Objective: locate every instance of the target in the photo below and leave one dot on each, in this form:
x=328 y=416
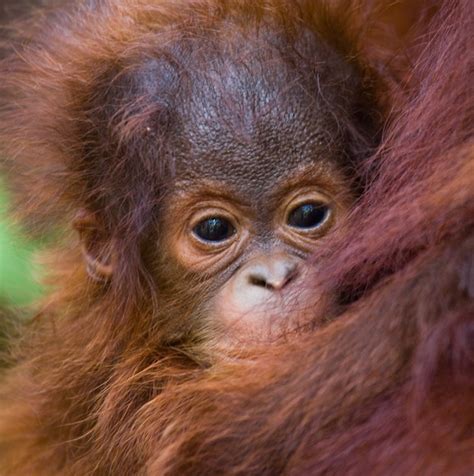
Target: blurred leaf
x=18 y=285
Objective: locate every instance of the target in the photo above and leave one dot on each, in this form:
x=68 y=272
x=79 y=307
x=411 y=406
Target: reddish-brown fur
x=386 y=387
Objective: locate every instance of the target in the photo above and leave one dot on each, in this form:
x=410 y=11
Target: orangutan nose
x=272 y=272
x=255 y=302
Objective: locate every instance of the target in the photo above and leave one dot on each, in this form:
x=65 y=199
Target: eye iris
x=214 y=229
x=308 y=215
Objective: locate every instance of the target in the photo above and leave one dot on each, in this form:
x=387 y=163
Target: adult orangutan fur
x=385 y=386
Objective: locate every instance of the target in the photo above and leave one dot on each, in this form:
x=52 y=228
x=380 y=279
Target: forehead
x=244 y=133
x=252 y=111
x=244 y=108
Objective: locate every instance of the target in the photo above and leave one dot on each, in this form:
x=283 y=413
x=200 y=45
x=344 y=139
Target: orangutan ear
x=96 y=246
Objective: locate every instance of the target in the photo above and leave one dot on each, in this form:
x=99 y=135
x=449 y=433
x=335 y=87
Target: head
x=251 y=138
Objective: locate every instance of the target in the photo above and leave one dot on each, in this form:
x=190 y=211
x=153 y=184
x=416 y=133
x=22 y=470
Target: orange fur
x=385 y=387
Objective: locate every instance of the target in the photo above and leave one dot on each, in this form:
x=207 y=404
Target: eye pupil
x=308 y=215
x=214 y=229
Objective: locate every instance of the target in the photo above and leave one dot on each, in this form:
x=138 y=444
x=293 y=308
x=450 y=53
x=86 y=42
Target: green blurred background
x=18 y=271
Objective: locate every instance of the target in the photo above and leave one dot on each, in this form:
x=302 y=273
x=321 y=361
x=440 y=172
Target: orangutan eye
x=214 y=229
x=309 y=215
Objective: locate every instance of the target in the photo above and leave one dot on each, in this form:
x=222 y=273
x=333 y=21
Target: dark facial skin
x=257 y=139
x=256 y=149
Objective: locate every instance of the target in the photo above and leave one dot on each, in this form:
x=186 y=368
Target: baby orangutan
x=253 y=135
x=202 y=151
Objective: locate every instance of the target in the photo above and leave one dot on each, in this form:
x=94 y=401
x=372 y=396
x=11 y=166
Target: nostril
x=273 y=285
x=292 y=273
x=273 y=275
x=259 y=281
